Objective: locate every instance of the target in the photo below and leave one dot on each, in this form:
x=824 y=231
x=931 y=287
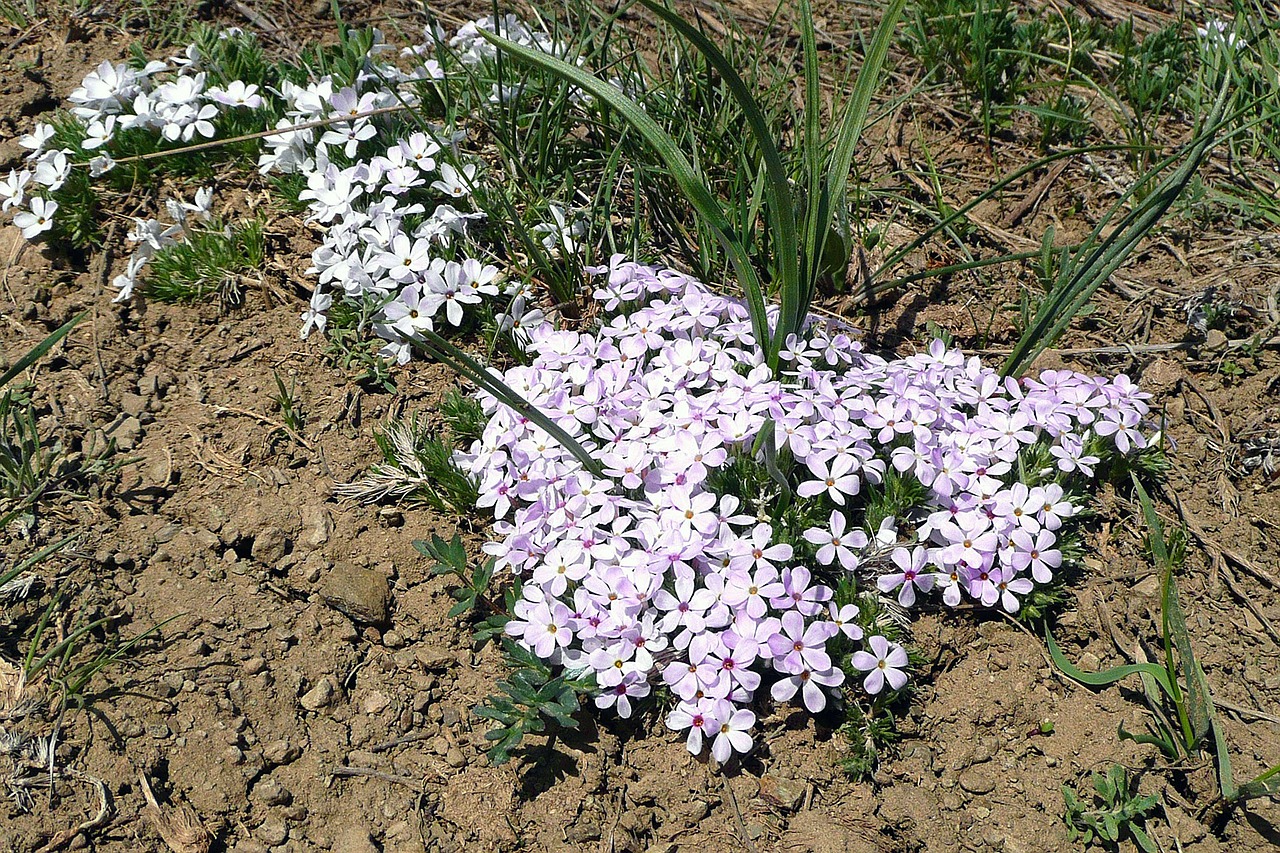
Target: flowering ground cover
x=712 y=560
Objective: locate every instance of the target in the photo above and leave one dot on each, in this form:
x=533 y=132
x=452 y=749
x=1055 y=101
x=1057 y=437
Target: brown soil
x=283 y=724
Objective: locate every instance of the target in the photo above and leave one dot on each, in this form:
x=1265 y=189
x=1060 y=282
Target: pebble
x=270 y=792
x=978 y=780
x=434 y=660
x=321 y=695
x=280 y=752
x=255 y=665
x=273 y=831
x=455 y=759
x=315 y=527
x=582 y=831
x=269 y=546
x=780 y=791
x=127 y=433
x=132 y=404
x=362 y=595
x=375 y=702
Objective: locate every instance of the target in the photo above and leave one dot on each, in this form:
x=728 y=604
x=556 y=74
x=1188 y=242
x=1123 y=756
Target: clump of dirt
x=310 y=691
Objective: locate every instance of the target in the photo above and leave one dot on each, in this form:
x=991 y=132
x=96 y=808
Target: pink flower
x=884 y=663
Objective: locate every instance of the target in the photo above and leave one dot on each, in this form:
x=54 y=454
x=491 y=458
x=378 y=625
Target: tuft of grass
x=417 y=467
x=218 y=260
x=1182 y=722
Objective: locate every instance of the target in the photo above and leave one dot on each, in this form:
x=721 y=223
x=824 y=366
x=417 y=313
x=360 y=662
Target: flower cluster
x=395 y=200
x=659 y=574
x=169 y=99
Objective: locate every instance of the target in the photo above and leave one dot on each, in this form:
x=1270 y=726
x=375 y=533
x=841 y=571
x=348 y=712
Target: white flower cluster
x=394 y=205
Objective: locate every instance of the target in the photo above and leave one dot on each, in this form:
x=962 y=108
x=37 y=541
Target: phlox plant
x=720 y=560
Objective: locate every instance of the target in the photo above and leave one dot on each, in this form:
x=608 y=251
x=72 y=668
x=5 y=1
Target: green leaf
x=1106 y=677
x=1197 y=710
x=779 y=206
x=1266 y=784
x=856 y=110
x=38 y=351
x=1084 y=273
x=447 y=353
x=686 y=176
x=1143 y=840
x=1160 y=737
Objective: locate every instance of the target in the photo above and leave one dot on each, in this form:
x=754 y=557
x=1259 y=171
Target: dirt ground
x=284 y=725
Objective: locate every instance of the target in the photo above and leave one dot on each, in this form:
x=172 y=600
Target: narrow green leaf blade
x=682 y=171
x=38 y=351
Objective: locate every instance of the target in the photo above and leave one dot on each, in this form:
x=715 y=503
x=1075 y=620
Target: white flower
x=36 y=140
x=200 y=207
x=52 y=169
x=100 y=133
x=100 y=165
x=453 y=183
x=1220 y=31
x=126 y=280
x=314 y=317
x=237 y=94
x=13 y=189
x=38 y=219
x=559 y=232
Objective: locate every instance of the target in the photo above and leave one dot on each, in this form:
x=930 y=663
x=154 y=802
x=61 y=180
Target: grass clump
x=418 y=467
x=216 y=260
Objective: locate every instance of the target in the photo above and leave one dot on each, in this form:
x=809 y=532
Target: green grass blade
x=779 y=206
x=1106 y=677
x=677 y=164
x=1265 y=784
x=854 y=120
x=1083 y=277
x=1197 y=710
x=1226 y=780
x=959 y=213
x=34 y=559
x=465 y=365
x=38 y=351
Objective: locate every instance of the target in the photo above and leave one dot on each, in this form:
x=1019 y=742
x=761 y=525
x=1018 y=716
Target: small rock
x=434 y=660
x=280 y=752
x=362 y=595
x=149 y=385
x=450 y=715
x=455 y=759
x=127 y=433
x=582 y=831
x=1089 y=662
x=782 y=792
x=978 y=780
x=270 y=792
x=255 y=665
x=375 y=702
x=315 y=527
x=320 y=696
x=273 y=831
x=1216 y=339
x=269 y=546
x=132 y=404
x=1148 y=587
